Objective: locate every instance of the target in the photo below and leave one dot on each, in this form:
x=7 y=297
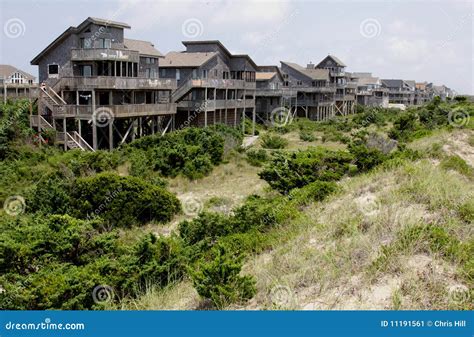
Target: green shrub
x=257 y=157
x=366 y=158
x=122 y=201
x=219 y=281
x=288 y=171
x=270 y=141
x=458 y=164
x=307 y=136
x=315 y=191
x=207 y=226
x=191 y=151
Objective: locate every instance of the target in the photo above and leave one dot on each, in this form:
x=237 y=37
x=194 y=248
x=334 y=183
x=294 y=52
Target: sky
x=413 y=40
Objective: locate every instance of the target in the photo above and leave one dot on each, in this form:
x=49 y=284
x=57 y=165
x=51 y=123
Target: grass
x=361 y=248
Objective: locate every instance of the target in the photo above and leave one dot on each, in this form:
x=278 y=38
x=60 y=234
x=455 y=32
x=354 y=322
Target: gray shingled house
x=16 y=83
x=214 y=85
x=400 y=91
x=369 y=90
x=273 y=93
x=99 y=89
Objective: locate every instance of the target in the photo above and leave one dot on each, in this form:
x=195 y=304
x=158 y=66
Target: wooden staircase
x=72 y=139
x=52 y=100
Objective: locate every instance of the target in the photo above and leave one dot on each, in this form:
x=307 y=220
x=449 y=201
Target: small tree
x=219 y=281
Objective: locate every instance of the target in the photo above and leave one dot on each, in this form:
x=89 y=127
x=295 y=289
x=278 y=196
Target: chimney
x=310 y=65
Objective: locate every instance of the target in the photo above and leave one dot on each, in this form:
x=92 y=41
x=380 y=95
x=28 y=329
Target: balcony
x=275 y=92
x=103 y=54
x=344 y=97
x=118 y=111
x=222 y=84
x=218 y=104
x=121 y=83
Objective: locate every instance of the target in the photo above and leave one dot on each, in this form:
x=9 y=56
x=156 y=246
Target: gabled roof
x=271 y=69
x=265 y=76
x=335 y=59
x=144 y=48
x=185 y=60
x=75 y=30
x=392 y=83
x=7 y=70
x=313 y=74
x=226 y=51
x=367 y=80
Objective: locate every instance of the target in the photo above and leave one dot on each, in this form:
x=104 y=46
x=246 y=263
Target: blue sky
x=414 y=40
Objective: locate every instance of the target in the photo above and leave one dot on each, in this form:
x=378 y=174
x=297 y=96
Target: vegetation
x=94 y=220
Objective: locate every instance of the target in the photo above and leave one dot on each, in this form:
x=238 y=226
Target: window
x=147 y=60
x=105 y=43
x=85 y=43
x=204 y=73
x=225 y=75
x=299 y=83
x=53 y=69
x=178 y=75
x=163 y=72
x=147 y=73
x=86 y=71
x=215 y=73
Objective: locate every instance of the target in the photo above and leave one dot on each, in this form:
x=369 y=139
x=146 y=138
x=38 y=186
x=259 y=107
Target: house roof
x=361 y=74
x=367 y=80
x=226 y=51
x=74 y=30
x=7 y=70
x=335 y=59
x=143 y=47
x=314 y=74
x=390 y=83
x=184 y=59
x=264 y=76
x=410 y=83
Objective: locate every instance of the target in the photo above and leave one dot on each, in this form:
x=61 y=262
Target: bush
x=257 y=157
x=191 y=151
x=270 y=141
x=207 y=226
x=122 y=201
x=219 y=281
x=64 y=259
x=307 y=136
x=288 y=171
x=458 y=164
x=315 y=191
x=366 y=158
